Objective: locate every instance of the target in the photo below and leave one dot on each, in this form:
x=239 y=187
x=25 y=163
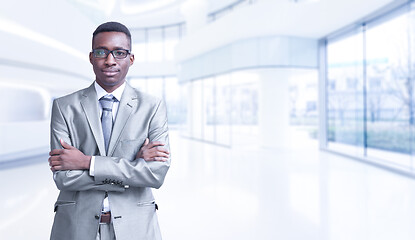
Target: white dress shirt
x=117 y=93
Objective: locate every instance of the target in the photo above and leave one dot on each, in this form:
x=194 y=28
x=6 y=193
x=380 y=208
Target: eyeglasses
x=103 y=53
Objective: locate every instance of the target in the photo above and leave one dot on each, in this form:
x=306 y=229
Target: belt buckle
x=105 y=218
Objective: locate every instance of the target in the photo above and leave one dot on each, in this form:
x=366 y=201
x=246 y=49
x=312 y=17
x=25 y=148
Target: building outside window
x=370 y=90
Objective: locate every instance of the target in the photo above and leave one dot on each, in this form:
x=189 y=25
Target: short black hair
x=112 y=27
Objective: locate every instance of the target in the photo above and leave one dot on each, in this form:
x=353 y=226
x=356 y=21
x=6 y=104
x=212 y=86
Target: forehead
x=111 y=40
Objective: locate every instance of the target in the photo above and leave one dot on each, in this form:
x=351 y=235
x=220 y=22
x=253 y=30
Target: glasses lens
x=100 y=53
x=120 y=54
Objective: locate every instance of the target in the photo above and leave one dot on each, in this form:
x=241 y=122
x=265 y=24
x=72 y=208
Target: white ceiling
x=57 y=34
x=293 y=14
x=312 y=19
x=142 y=13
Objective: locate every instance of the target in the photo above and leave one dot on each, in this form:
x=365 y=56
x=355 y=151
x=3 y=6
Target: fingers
x=65 y=145
x=159 y=154
x=156 y=154
x=157 y=159
x=55 y=164
x=162 y=149
x=157 y=148
x=56 y=152
x=56 y=168
x=55 y=161
x=155 y=144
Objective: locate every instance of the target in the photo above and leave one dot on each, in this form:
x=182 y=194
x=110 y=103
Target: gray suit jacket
x=128 y=181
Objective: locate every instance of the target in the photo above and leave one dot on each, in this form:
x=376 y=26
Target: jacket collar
x=90 y=106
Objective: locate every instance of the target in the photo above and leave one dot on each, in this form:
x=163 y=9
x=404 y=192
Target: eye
x=120 y=53
x=100 y=53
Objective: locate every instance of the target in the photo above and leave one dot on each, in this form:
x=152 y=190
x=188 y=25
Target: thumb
x=65 y=145
x=146 y=142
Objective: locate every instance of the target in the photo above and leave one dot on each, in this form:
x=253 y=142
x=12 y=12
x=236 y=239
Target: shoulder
x=146 y=98
x=72 y=98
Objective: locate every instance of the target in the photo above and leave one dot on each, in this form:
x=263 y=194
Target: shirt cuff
x=92 y=167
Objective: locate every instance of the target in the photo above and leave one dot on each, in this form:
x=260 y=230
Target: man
x=101 y=158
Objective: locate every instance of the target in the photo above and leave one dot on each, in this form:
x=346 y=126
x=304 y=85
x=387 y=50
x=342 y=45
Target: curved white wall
x=24 y=120
x=277 y=17
x=260 y=52
x=45 y=41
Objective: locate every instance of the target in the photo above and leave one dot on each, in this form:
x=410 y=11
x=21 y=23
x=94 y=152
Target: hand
x=68 y=158
x=153 y=151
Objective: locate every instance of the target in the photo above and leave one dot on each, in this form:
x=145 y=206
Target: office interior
x=289 y=119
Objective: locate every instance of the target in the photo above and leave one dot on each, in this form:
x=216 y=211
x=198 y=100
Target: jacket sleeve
x=72 y=180
x=138 y=172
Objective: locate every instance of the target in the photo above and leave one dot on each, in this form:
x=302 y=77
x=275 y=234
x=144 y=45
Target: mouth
x=110 y=72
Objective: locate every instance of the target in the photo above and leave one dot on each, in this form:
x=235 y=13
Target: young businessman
x=110 y=146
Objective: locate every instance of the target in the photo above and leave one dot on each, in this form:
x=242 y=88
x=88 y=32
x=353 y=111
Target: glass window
x=209 y=104
x=139 y=38
x=170 y=41
x=155 y=86
x=303 y=101
x=186 y=106
x=245 y=97
x=139 y=83
x=345 y=125
x=389 y=89
x=155 y=45
x=196 y=111
x=223 y=109
x=167 y=88
x=370 y=86
x=175 y=110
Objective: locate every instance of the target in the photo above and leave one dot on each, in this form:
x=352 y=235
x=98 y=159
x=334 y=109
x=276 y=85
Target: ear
x=131 y=59
x=90 y=57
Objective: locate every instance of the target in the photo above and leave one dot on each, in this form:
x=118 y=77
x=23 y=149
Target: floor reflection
x=216 y=192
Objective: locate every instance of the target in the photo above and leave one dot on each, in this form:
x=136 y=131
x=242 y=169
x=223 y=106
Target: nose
x=110 y=60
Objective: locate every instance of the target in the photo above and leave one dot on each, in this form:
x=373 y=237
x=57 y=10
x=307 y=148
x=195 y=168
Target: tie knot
x=106 y=102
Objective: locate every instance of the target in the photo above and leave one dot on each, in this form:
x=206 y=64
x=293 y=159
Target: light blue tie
x=107 y=102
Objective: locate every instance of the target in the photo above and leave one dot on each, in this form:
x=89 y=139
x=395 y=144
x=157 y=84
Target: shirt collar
x=117 y=93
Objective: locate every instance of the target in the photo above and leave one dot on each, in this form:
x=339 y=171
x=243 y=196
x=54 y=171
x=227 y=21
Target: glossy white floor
x=242 y=193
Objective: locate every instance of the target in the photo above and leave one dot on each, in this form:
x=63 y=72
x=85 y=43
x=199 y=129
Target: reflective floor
x=217 y=193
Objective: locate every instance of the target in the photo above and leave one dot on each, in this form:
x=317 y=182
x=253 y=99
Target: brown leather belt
x=105 y=217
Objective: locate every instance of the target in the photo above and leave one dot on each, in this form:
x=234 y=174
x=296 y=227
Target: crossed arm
x=70 y=158
x=70 y=166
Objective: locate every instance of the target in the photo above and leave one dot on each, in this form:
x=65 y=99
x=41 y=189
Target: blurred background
x=289 y=119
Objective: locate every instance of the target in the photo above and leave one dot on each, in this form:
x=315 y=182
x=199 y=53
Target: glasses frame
x=107 y=52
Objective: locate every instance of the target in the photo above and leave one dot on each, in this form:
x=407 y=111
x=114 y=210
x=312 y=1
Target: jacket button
x=96 y=216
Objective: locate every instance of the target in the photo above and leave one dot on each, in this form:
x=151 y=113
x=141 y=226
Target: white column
x=274 y=108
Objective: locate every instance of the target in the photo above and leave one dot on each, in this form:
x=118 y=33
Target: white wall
x=45 y=47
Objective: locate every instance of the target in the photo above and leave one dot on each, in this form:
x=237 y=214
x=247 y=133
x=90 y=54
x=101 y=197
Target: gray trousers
x=105 y=232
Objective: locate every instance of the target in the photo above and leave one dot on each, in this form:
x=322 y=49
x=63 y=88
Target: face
x=110 y=72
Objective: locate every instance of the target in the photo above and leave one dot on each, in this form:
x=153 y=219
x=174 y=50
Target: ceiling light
x=21 y=31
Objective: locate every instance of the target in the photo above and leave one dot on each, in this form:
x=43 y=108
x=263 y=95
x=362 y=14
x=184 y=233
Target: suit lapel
x=90 y=106
x=128 y=102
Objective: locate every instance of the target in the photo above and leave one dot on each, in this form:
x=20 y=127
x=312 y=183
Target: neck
x=109 y=89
